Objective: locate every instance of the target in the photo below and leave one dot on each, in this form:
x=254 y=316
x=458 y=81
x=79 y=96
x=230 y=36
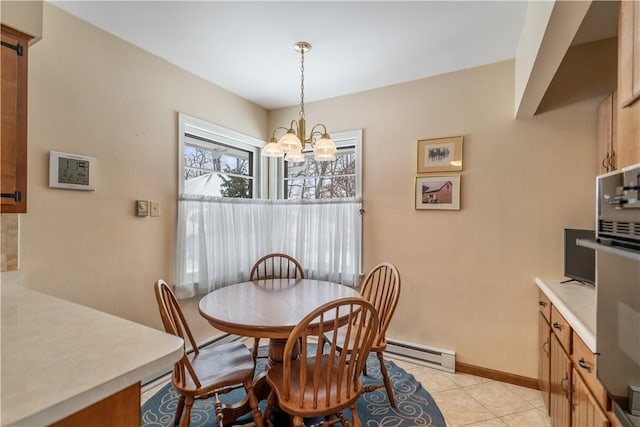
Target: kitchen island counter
x=59 y=357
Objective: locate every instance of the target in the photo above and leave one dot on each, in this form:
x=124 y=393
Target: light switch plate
x=154 y=208
x=142 y=208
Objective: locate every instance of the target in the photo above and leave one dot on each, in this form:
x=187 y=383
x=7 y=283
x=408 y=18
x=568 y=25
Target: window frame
x=218 y=134
x=352 y=138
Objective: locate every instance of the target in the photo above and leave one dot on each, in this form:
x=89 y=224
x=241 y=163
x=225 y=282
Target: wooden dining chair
x=324 y=381
x=204 y=373
x=382 y=289
x=274 y=266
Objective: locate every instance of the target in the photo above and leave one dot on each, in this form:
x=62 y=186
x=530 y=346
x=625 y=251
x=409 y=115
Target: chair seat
x=223 y=365
x=348 y=393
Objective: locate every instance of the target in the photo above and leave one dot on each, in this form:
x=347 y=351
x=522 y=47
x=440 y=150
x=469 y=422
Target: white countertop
x=59 y=357
x=577 y=304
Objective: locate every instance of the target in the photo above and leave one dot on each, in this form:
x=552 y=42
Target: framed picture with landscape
x=440 y=154
x=438 y=192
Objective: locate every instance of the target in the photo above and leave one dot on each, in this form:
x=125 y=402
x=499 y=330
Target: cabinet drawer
x=561 y=329
x=585 y=363
x=544 y=305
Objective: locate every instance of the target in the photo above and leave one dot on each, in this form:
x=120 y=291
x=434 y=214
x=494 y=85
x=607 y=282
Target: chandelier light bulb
x=290 y=141
x=273 y=149
x=295 y=155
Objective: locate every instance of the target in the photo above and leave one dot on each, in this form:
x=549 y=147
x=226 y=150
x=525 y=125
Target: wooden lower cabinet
x=559 y=385
x=544 y=357
x=585 y=411
x=567 y=374
x=121 y=409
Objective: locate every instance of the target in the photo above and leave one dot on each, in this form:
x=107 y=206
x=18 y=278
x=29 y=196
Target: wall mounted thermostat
x=71 y=171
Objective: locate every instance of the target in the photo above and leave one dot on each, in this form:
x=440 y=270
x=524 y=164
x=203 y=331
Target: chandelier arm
x=273 y=135
x=295 y=126
x=317 y=132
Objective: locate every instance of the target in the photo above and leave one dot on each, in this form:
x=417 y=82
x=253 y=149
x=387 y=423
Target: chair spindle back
x=333 y=376
x=382 y=289
x=276 y=265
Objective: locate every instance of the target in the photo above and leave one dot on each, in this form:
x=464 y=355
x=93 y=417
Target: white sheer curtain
x=219 y=239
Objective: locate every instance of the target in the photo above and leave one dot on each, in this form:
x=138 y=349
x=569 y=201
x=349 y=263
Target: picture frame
x=440 y=154
x=437 y=192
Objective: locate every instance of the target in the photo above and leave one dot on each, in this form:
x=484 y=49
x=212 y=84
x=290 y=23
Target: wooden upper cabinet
x=13 y=130
x=628 y=109
x=629 y=52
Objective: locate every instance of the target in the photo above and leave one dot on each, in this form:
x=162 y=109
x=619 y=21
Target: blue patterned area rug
x=414 y=406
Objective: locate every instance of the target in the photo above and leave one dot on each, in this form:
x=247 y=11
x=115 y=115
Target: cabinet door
x=560 y=385
x=14 y=120
x=544 y=358
x=605 y=156
x=629 y=52
x=585 y=411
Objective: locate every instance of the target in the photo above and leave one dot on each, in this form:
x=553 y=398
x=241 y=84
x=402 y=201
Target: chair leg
x=354 y=416
x=271 y=401
x=298 y=421
x=387 y=381
x=186 y=420
x=256 y=345
x=179 y=409
x=253 y=403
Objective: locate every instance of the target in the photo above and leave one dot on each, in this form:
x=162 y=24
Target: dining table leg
x=261 y=389
x=276 y=351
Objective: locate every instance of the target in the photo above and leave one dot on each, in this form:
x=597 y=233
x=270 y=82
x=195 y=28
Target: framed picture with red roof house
x=438 y=192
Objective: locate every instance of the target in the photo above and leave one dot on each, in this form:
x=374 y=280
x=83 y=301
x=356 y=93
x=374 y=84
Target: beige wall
x=25 y=16
x=467 y=275
x=93 y=94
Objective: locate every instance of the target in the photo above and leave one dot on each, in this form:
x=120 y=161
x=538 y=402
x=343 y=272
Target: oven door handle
x=613 y=250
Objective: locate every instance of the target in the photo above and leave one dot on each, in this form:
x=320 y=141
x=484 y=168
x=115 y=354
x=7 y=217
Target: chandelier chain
x=302 y=84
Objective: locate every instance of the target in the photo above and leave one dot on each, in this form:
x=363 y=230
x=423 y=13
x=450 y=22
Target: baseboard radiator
x=432 y=357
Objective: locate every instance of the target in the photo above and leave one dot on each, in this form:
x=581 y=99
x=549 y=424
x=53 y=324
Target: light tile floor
x=467 y=400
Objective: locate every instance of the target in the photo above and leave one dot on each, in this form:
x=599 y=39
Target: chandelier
x=291 y=144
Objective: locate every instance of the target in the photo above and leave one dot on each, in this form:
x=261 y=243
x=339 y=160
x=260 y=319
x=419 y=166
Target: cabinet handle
x=605 y=163
x=16 y=196
x=583 y=365
x=545 y=346
x=542 y=303
x=557 y=326
x=612 y=162
x=567 y=391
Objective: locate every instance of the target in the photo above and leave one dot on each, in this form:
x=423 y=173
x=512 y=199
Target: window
x=220 y=237
x=340 y=178
x=218 y=162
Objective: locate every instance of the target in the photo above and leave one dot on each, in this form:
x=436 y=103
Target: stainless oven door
x=618 y=320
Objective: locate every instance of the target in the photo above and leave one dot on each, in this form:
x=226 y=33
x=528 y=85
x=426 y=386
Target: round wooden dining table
x=268 y=308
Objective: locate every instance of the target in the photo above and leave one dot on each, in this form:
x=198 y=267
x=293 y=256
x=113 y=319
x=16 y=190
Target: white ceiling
x=247 y=47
